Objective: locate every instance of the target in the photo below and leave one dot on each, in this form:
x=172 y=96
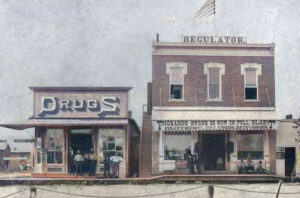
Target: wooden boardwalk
x=72 y=179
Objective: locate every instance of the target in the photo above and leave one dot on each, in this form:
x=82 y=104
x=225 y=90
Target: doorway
x=80 y=141
x=214 y=149
x=289 y=160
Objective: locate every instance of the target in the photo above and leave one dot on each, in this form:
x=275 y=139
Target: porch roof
x=64 y=122
x=214 y=113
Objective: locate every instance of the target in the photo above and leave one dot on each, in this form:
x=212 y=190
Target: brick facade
x=196 y=79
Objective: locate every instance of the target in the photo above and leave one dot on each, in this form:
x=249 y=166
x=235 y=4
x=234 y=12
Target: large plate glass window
x=250 y=145
x=110 y=141
x=175 y=145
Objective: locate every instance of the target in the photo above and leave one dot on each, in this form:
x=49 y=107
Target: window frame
x=221 y=68
x=257 y=68
x=63 y=148
x=169 y=67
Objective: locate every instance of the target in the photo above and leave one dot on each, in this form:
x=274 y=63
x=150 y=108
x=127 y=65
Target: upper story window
x=176 y=70
x=214 y=72
x=251 y=71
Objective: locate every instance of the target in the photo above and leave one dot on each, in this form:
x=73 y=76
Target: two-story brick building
x=214 y=96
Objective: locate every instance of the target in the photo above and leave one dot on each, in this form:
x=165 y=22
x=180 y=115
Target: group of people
x=112 y=165
x=249 y=167
x=87 y=163
x=192 y=160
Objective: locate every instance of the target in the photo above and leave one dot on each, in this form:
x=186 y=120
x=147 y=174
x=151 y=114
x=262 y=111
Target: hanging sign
x=213 y=125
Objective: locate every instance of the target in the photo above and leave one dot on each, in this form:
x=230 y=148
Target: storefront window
x=250 y=145
x=111 y=140
x=175 y=146
x=55 y=146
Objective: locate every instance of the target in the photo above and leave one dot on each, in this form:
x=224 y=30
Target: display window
x=175 y=146
x=110 y=141
x=55 y=146
x=250 y=146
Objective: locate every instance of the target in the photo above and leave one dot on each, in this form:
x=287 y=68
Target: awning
x=214 y=119
x=64 y=122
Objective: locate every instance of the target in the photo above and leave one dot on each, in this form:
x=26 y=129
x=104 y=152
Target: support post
x=211 y=191
x=278 y=190
x=32 y=192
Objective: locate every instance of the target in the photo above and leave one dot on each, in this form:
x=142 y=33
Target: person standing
x=115 y=164
x=199 y=156
x=78 y=160
x=93 y=162
x=106 y=166
x=190 y=160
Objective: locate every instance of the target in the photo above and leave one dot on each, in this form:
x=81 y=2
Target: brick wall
x=196 y=79
x=146 y=147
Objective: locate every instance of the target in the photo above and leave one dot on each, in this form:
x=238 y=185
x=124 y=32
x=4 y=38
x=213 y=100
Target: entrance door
x=289 y=160
x=80 y=142
x=214 y=149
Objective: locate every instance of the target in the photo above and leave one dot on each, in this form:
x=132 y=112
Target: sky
x=109 y=43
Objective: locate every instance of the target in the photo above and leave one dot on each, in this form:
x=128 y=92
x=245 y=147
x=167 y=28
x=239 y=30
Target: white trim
x=257 y=67
x=206 y=108
x=251 y=66
x=221 y=67
x=227 y=45
x=171 y=65
x=214 y=52
x=176 y=64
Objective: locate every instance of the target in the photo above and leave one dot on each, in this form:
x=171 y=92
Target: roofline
x=80 y=88
x=228 y=45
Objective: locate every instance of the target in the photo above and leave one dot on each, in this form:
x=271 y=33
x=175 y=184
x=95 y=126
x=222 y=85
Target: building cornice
x=213 y=49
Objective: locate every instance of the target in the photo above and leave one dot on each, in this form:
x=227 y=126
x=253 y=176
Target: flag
x=208 y=9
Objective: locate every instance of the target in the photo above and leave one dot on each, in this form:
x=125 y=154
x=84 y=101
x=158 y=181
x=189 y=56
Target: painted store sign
x=212 y=125
x=71 y=104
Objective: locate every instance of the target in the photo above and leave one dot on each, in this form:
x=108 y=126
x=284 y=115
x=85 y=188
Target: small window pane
x=214 y=76
x=251 y=93
x=111 y=146
x=58 y=157
x=39 y=157
x=50 y=157
x=214 y=91
x=176 y=75
x=250 y=77
x=176 y=91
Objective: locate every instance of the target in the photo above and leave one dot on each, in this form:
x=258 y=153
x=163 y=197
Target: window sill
x=214 y=100
x=251 y=100
x=176 y=100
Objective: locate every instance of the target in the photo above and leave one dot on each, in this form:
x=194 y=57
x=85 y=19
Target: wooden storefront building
x=71 y=119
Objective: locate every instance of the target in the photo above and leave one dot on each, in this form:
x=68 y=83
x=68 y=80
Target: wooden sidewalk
x=72 y=179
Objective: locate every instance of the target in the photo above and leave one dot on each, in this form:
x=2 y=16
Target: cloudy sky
x=108 y=43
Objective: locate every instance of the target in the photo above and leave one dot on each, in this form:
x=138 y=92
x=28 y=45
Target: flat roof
x=80 y=88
